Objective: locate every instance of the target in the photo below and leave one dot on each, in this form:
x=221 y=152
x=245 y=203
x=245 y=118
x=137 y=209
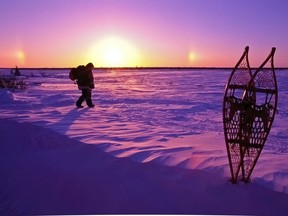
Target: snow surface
x=153 y=143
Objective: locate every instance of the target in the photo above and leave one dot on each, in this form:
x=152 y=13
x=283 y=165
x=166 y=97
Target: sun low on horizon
x=114 y=51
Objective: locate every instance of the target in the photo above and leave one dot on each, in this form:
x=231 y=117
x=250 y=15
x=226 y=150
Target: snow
x=153 y=143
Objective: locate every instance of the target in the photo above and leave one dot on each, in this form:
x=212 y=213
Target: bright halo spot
x=192 y=57
x=114 y=52
x=20 y=56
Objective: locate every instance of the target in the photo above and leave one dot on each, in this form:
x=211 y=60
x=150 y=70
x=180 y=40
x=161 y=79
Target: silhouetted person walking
x=85 y=82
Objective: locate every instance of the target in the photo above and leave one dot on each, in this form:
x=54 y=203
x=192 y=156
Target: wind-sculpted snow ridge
x=44 y=172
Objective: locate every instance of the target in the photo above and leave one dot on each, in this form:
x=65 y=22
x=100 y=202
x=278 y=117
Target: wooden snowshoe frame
x=249 y=107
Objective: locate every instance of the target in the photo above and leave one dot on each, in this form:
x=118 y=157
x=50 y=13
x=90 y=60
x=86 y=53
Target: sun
x=114 y=52
x=113 y=56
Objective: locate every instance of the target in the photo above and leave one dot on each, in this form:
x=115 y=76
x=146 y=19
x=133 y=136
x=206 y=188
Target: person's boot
x=89 y=103
x=79 y=106
x=79 y=102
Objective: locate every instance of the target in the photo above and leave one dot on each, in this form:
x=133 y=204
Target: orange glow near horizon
x=16 y=57
x=137 y=34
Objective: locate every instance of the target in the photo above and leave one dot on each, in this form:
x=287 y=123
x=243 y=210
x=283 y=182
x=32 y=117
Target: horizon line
x=133 y=68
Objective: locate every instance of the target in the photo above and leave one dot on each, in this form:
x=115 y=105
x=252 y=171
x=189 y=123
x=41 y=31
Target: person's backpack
x=75 y=73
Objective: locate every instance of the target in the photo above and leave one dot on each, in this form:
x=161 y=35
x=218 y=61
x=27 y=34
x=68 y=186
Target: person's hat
x=90 y=65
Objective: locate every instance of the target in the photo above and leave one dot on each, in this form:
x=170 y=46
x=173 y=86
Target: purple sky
x=61 y=33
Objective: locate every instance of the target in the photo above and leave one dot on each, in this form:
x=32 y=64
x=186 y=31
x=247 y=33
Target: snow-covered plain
x=153 y=143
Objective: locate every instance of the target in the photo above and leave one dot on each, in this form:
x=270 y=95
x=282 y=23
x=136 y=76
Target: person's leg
x=88 y=95
x=81 y=99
